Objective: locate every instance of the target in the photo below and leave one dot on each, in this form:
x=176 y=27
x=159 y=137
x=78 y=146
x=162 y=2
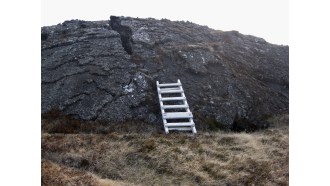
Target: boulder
x=107 y=71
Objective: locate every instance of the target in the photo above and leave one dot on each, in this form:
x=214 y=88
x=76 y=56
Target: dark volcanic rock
x=107 y=70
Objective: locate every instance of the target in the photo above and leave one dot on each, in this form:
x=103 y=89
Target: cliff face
x=107 y=71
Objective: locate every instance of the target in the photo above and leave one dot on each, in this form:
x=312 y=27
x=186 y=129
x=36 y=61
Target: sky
x=268 y=19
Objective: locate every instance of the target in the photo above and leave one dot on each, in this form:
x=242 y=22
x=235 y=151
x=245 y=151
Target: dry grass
x=211 y=158
x=55 y=174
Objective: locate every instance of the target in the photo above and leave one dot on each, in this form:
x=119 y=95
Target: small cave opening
x=125 y=33
x=243 y=124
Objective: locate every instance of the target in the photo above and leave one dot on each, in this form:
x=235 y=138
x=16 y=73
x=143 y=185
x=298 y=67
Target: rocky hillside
x=107 y=71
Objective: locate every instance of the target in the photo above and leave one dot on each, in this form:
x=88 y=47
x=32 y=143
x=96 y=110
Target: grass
x=56 y=174
x=152 y=158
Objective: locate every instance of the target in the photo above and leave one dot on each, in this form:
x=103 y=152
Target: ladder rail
x=161 y=109
x=193 y=128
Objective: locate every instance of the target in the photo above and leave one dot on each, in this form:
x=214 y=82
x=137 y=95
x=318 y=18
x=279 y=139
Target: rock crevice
x=125 y=33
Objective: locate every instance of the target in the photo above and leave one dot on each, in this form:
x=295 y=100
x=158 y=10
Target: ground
x=153 y=158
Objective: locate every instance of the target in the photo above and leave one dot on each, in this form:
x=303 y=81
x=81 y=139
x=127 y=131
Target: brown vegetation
x=152 y=158
x=56 y=174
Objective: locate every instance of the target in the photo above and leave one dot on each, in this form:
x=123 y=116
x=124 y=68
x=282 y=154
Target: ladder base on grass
x=180 y=107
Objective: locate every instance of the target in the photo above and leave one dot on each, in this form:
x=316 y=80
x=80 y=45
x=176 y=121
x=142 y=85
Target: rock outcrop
x=107 y=71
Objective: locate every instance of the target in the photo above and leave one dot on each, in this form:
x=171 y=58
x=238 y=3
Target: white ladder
x=175 y=88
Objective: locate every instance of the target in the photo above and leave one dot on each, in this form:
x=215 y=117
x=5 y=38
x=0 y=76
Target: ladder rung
x=175 y=88
x=174 y=106
x=170 y=91
x=179 y=128
x=177 y=115
x=169 y=84
x=182 y=124
x=172 y=98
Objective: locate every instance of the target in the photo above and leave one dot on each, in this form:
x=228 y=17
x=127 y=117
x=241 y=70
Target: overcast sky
x=268 y=19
